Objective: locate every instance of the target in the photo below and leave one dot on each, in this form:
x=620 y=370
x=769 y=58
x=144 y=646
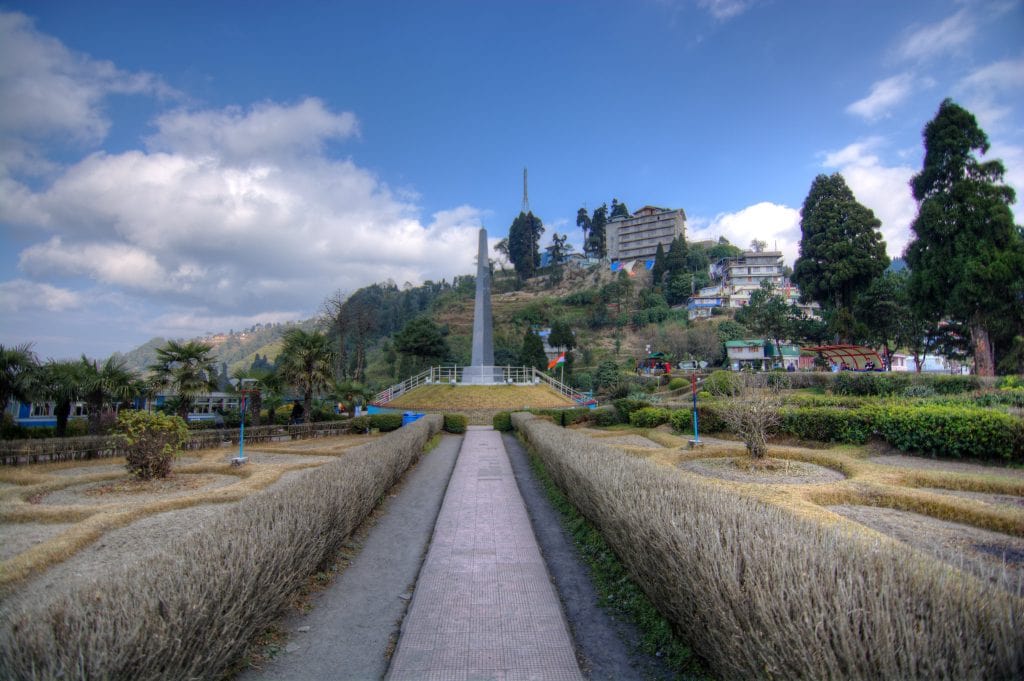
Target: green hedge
x=721 y=383
x=867 y=384
x=385 y=423
x=627 y=406
x=649 y=417
x=502 y=421
x=605 y=416
x=827 y=424
x=456 y=423
x=709 y=419
x=956 y=431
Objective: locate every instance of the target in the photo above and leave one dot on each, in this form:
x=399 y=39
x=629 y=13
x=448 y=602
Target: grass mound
x=466 y=397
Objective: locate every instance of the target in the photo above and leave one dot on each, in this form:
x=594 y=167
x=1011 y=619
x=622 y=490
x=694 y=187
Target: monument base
x=482 y=375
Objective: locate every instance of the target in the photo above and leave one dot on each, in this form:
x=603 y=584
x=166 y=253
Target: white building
x=735 y=279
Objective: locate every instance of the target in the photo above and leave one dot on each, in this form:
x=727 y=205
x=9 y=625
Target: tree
x=677 y=272
x=62 y=382
x=757 y=245
x=307 y=364
x=598 y=244
x=841 y=249
x=753 y=414
x=619 y=210
x=562 y=336
x=767 y=315
x=422 y=344
x=882 y=309
x=583 y=222
x=105 y=386
x=524 y=244
x=186 y=369
x=559 y=250
x=501 y=248
x=266 y=386
x=967 y=255
x=660 y=266
x=532 y=352
x=18 y=365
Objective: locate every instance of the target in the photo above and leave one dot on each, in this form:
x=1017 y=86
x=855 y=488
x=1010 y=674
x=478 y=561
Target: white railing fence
x=452 y=375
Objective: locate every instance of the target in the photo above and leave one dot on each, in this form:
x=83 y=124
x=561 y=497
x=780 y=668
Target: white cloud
x=941 y=37
x=775 y=224
x=21 y=294
x=46 y=89
x=884 y=95
x=984 y=91
x=883 y=189
x=725 y=9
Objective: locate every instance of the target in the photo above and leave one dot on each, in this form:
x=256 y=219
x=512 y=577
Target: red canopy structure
x=856 y=357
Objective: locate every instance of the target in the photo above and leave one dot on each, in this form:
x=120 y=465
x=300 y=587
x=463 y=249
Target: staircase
x=452 y=375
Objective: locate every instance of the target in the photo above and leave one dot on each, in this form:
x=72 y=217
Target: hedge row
x=189 y=609
x=763 y=594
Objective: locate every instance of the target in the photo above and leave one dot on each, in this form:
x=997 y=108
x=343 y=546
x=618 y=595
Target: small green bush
x=502 y=421
x=839 y=401
x=605 y=416
x=919 y=390
x=1005 y=397
x=385 y=423
x=455 y=423
x=826 y=424
x=649 y=417
x=677 y=383
x=722 y=384
x=873 y=383
x=709 y=418
x=954 y=431
x=152 y=441
x=954 y=385
x=777 y=380
x=627 y=406
x=360 y=424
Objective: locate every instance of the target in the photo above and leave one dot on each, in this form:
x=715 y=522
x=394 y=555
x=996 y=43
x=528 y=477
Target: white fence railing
x=452 y=375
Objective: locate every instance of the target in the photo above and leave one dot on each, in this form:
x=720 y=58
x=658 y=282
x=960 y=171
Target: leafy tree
x=677 y=272
x=532 y=352
x=767 y=315
x=502 y=249
x=608 y=375
x=967 y=255
x=732 y=330
x=598 y=238
x=267 y=388
x=559 y=250
x=17 y=368
x=723 y=249
x=307 y=364
x=883 y=309
x=757 y=245
x=186 y=369
x=562 y=336
x=422 y=344
x=109 y=385
x=523 y=244
x=660 y=267
x=62 y=382
x=619 y=210
x=841 y=249
x=583 y=222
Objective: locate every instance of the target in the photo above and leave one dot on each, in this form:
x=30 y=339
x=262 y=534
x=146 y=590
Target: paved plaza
x=483 y=606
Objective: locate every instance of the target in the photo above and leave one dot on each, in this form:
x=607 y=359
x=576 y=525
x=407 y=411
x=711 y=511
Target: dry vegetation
x=188 y=607
x=460 y=398
x=767 y=582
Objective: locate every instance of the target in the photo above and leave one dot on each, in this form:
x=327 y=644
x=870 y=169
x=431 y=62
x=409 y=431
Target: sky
x=175 y=169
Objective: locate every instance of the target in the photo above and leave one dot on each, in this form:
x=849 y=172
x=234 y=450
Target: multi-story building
x=637 y=237
x=735 y=279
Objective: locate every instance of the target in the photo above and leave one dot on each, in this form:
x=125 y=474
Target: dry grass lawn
x=50 y=512
x=476 y=397
x=964 y=513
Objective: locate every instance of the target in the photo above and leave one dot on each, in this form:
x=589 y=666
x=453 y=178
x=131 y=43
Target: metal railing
x=452 y=375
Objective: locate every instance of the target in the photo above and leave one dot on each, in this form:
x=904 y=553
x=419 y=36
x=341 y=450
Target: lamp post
x=246 y=391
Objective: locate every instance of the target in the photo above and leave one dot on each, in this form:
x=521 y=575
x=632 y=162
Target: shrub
x=677 y=383
x=385 y=423
x=777 y=380
x=152 y=441
x=954 y=385
x=820 y=380
x=919 y=390
x=941 y=430
x=1006 y=397
x=360 y=424
x=649 y=417
x=502 y=421
x=709 y=418
x=627 y=406
x=455 y=423
x=721 y=384
x=874 y=383
x=602 y=416
x=826 y=424
x=218 y=584
x=753 y=415
x=749 y=584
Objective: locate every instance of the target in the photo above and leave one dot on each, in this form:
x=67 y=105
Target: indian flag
x=556 y=361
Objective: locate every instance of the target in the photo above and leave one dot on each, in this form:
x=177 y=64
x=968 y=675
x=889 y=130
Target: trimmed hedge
x=956 y=431
x=455 y=423
x=603 y=416
x=709 y=418
x=502 y=421
x=627 y=406
x=649 y=417
x=385 y=423
x=827 y=424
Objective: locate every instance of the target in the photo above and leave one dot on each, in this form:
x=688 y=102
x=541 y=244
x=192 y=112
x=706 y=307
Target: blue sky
x=171 y=169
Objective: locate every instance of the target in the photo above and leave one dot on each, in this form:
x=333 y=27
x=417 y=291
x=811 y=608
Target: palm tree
x=307 y=364
x=187 y=370
x=267 y=385
x=18 y=365
x=107 y=386
x=62 y=382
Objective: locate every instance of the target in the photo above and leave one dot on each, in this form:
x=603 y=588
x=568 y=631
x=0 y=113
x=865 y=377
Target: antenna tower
x=526 y=195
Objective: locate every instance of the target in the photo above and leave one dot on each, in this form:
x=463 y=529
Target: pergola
x=855 y=357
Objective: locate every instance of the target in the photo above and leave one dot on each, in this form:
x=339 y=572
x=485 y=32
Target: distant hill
x=237 y=349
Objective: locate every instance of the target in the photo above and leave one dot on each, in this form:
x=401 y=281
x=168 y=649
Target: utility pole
x=526 y=195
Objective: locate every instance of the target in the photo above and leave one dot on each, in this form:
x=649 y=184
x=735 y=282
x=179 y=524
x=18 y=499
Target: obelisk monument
x=481 y=370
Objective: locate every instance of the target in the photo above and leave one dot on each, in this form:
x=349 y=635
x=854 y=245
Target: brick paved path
x=484 y=607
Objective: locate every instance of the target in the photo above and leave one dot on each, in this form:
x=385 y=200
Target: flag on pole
x=556 y=361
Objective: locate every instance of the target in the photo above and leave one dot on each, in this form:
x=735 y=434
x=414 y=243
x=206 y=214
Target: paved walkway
x=484 y=607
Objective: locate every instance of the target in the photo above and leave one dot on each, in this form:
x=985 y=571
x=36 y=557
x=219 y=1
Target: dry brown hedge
x=762 y=594
x=190 y=610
